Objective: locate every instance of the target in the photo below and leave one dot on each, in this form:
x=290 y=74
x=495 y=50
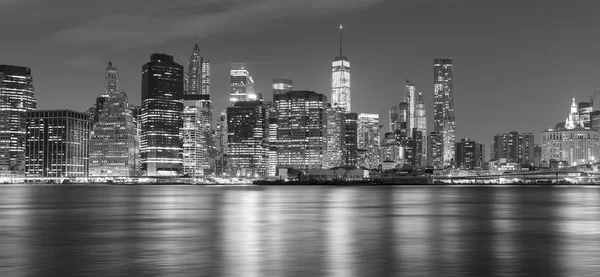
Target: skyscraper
x=394 y=118
x=302 y=132
x=241 y=83
x=281 y=86
x=340 y=80
x=421 y=125
x=443 y=107
x=350 y=143
x=410 y=98
x=161 y=117
x=57 y=143
x=369 y=139
x=335 y=136
x=248 y=129
x=403 y=128
x=16 y=99
x=514 y=147
x=434 y=154
x=468 y=154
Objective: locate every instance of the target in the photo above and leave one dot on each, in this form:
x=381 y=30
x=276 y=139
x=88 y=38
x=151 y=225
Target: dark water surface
x=298 y=231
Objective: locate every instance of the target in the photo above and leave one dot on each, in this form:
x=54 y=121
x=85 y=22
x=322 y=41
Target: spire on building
x=341 y=30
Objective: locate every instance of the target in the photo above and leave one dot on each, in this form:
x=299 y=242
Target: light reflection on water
x=299 y=231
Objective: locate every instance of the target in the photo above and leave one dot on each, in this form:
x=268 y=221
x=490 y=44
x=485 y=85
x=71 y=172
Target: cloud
x=145 y=22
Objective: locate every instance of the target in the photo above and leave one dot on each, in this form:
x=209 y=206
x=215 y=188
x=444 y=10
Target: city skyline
x=372 y=88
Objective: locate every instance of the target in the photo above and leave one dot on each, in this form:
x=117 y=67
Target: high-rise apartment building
x=221 y=144
x=443 y=107
x=340 y=80
x=16 y=99
x=161 y=142
x=241 y=83
x=514 y=147
x=434 y=153
x=394 y=118
x=350 y=142
x=469 y=154
x=57 y=143
x=247 y=148
x=335 y=137
x=369 y=140
x=302 y=132
x=281 y=86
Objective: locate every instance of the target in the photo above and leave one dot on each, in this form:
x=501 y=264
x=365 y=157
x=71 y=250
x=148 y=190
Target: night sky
x=517 y=64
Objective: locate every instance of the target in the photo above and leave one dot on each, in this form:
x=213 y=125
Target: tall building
x=436 y=148
x=241 y=83
x=585 y=109
x=111 y=83
x=340 y=80
x=394 y=118
x=410 y=97
x=302 y=132
x=421 y=125
x=469 y=154
x=57 y=143
x=369 y=140
x=197 y=111
x=16 y=99
x=350 y=143
x=574 y=143
x=281 y=86
x=335 y=137
x=272 y=142
x=595 y=120
x=221 y=144
x=403 y=127
x=247 y=148
x=161 y=144
x=514 y=147
x=443 y=107
x=112 y=143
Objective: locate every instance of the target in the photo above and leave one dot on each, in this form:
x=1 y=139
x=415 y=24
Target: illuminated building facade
x=112 y=143
x=514 y=147
x=391 y=150
x=340 y=80
x=410 y=97
x=273 y=144
x=16 y=99
x=281 y=86
x=595 y=120
x=197 y=110
x=302 y=132
x=574 y=143
x=443 y=108
x=585 y=109
x=403 y=128
x=369 y=140
x=421 y=125
x=161 y=144
x=335 y=137
x=350 y=142
x=241 y=83
x=247 y=148
x=469 y=154
x=221 y=144
x=57 y=143
x=434 y=153
x=394 y=118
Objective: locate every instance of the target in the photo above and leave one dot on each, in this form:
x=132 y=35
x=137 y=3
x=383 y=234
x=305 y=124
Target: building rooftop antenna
x=341 y=30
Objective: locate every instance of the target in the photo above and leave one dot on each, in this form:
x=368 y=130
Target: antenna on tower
x=341 y=29
x=196 y=35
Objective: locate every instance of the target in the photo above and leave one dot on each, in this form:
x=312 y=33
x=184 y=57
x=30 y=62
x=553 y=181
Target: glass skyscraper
x=16 y=99
x=443 y=108
x=242 y=84
x=161 y=142
x=340 y=80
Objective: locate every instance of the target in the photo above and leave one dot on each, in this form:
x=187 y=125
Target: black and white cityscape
x=299 y=138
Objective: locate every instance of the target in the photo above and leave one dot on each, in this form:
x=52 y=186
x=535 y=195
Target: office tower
x=57 y=143
x=585 y=109
x=247 y=148
x=403 y=129
x=514 y=147
x=443 y=107
x=272 y=142
x=302 y=132
x=391 y=150
x=340 y=80
x=194 y=71
x=434 y=153
x=350 y=143
x=16 y=99
x=221 y=144
x=410 y=98
x=197 y=110
x=369 y=140
x=112 y=143
x=281 y=86
x=595 y=120
x=111 y=83
x=421 y=125
x=394 y=118
x=572 y=143
x=136 y=112
x=416 y=144
x=242 y=84
x=161 y=142
x=334 y=134
x=469 y=154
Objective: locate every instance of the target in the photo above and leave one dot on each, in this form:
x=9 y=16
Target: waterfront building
x=350 y=142
x=113 y=140
x=241 y=83
x=434 y=153
x=136 y=112
x=573 y=144
x=514 y=147
x=340 y=80
x=421 y=125
x=161 y=143
x=221 y=144
x=247 y=148
x=410 y=97
x=369 y=140
x=334 y=137
x=302 y=132
x=272 y=142
x=394 y=118
x=392 y=152
x=57 y=143
x=197 y=110
x=281 y=86
x=443 y=108
x=16 y=99
x=469 y=154
x=416 y=144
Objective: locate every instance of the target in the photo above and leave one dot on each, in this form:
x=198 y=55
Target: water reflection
x=299 y=231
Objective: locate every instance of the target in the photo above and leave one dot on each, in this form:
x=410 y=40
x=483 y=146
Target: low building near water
x=339 y=173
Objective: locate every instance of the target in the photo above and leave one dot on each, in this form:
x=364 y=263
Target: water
x=298 y=231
